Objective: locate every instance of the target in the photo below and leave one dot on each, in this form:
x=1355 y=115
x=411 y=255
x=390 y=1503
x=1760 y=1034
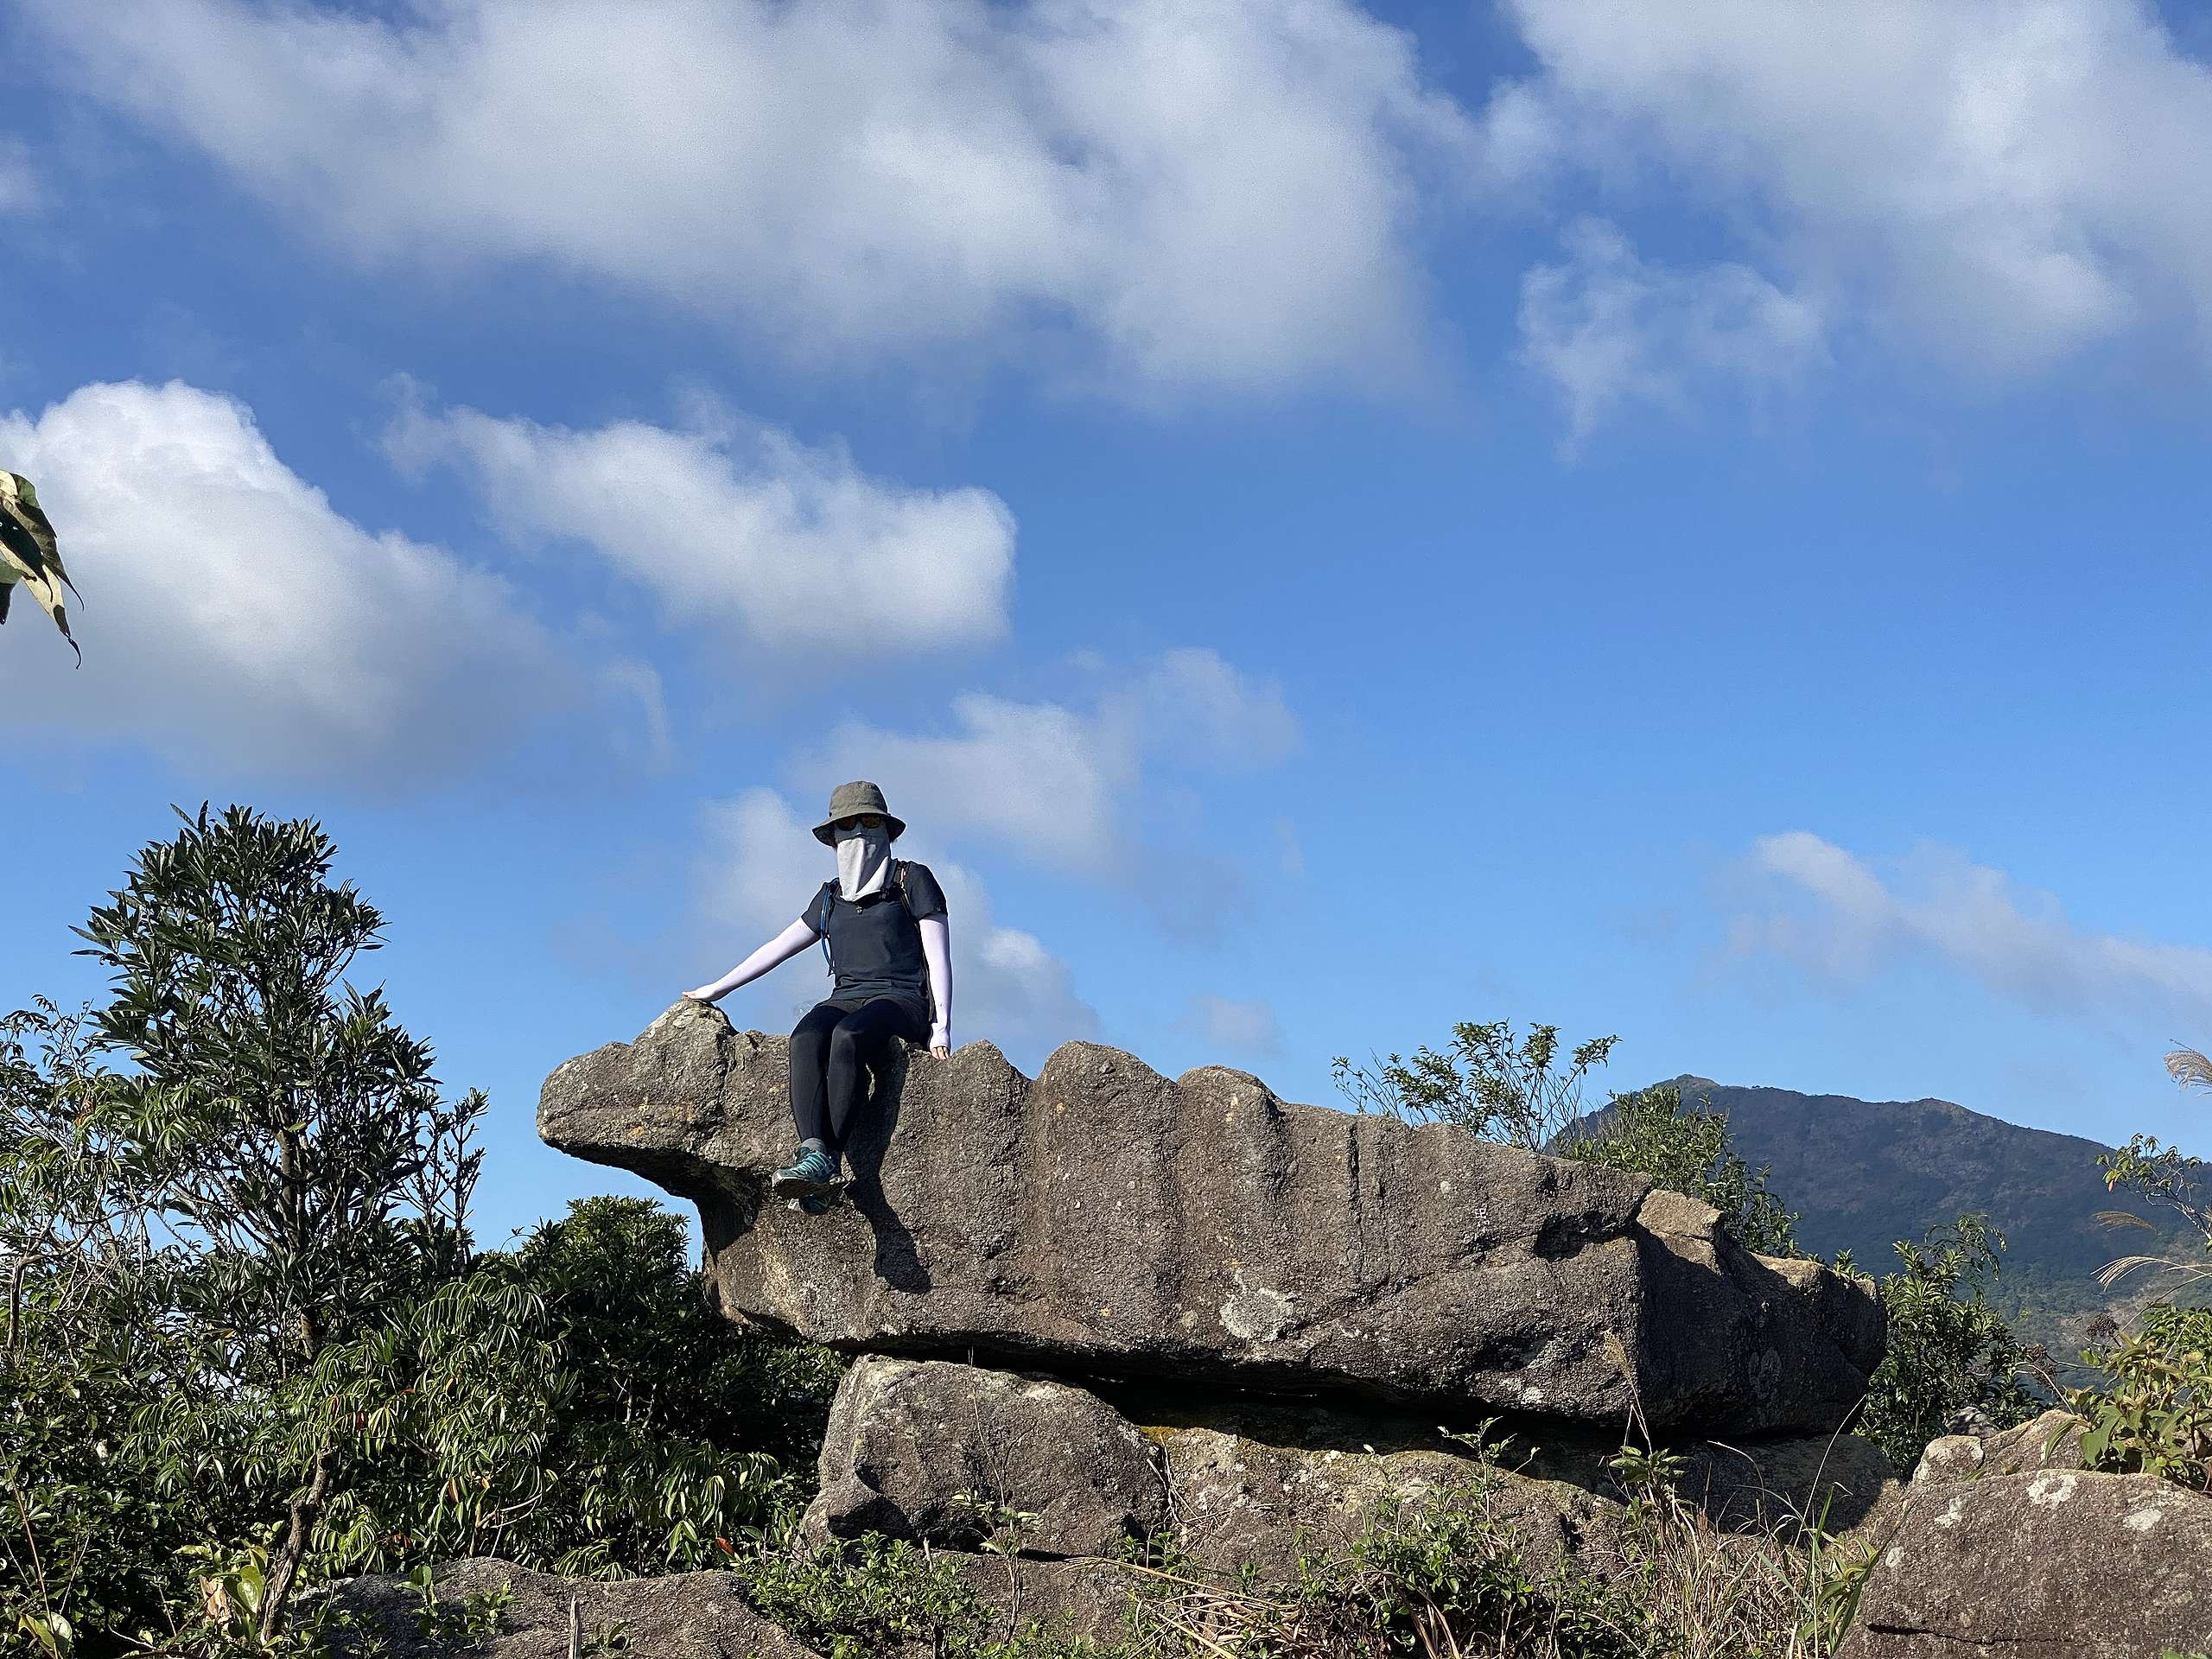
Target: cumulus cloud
x=1247 y=1027
x=230 y=613
x=762 y=866
x=1606 y=329
x=1993 y=185
x=1216 y=195
x=737 y=525
x=1838 y=917
x=1053 y=781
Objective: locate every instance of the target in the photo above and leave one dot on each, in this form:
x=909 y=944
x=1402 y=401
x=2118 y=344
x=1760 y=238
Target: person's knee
x=846 y=1039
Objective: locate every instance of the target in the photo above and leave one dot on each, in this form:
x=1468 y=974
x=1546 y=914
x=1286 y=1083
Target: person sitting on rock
x=882 y=924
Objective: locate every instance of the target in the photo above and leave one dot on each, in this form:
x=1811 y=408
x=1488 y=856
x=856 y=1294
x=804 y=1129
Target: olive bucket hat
x=847 y=800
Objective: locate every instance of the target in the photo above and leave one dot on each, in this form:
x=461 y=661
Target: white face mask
x=863 y=861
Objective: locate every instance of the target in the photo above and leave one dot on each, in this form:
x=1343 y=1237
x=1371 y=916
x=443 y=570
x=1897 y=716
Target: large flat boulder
x=1103 y=1221
x=2052 y=1564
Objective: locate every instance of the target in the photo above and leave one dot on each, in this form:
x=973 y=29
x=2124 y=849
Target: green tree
x=82 y=1355
x=286 y=1131
x=1950 y=1351
x=248 y=1341
x=1650 y=1132
x=1518 y=1090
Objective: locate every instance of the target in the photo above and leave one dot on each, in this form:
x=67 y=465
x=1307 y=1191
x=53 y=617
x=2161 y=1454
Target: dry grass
x=1443 y=1578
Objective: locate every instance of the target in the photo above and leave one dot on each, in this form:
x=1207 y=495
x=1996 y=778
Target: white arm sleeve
x=936 y=950
x=778 y=951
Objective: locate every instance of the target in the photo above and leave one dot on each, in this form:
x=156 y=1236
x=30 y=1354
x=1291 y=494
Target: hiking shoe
x=815 y=1204
x=810 y=1174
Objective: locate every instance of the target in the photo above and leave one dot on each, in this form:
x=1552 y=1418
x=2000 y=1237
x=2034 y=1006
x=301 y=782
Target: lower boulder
x=940 y=1453
x=948 y=1454
x=2050 y=1564
x=2052 y=1441
x=683 y=1616
x=1242 y=1502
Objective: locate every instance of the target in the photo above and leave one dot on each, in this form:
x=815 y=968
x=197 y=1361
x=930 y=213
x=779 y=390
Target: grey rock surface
x=2055 y=1564
x=1105 y=1221
x=906 y=1437
x=2050 y=1442
x=1250 y=1482
x=681 y=1616
x=1240 y=1501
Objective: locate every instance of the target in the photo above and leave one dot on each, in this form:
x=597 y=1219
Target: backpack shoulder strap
x=899 y=875
x=819 y=913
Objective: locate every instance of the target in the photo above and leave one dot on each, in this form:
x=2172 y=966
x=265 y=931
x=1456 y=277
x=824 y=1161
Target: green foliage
x=2156 y=1414
x=1649 y=1132
x=1448 y=1572
x=2163 y=1175
x=457 y=1626
x=286 y=1140
x=1442 y=1568
x=248 y=1343
x=1490 y=1083
x=882 y=1596
x=576 y=1406
x=2153 y=1413
x=1949 y=1351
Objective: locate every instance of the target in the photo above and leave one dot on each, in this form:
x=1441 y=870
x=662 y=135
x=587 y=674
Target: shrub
x=1488 y=1083
x=1950 y=1351
x=2156 y=1416
x=1649 y=1132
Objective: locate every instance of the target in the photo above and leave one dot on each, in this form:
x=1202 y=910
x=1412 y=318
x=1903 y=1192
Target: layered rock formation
x=1104 y=1307
x=1103 y=1221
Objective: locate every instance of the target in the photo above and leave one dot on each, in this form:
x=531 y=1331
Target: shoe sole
x=797 y=1186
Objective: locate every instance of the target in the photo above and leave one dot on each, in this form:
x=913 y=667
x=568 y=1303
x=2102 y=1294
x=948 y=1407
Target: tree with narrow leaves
x=29 y=554
x=292 y=1135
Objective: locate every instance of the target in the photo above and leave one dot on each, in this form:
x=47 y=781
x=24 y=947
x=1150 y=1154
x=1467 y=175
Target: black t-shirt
x=876 y=941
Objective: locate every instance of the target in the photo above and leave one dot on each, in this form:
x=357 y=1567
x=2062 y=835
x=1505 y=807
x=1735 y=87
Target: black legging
x=831 y=1050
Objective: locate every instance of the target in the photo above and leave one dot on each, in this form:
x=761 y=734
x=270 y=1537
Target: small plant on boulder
x=1489 y=1082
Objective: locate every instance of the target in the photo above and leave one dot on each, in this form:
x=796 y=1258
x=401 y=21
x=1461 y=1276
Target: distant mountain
x=1863 y=1174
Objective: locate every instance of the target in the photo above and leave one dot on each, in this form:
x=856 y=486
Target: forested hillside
x=1862 y=1173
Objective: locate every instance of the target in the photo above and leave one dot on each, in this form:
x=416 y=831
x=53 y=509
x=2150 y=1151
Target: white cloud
x=737 y=525
x=1212 y=193
x=763 y=864
x=1247 y=1028
x=1993 y=185
x=1057 y=782
x=229 y=614
x=1607 y=329
x=1832 y=914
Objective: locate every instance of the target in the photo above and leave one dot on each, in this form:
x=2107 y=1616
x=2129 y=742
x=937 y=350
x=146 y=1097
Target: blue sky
x=1685 y=521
